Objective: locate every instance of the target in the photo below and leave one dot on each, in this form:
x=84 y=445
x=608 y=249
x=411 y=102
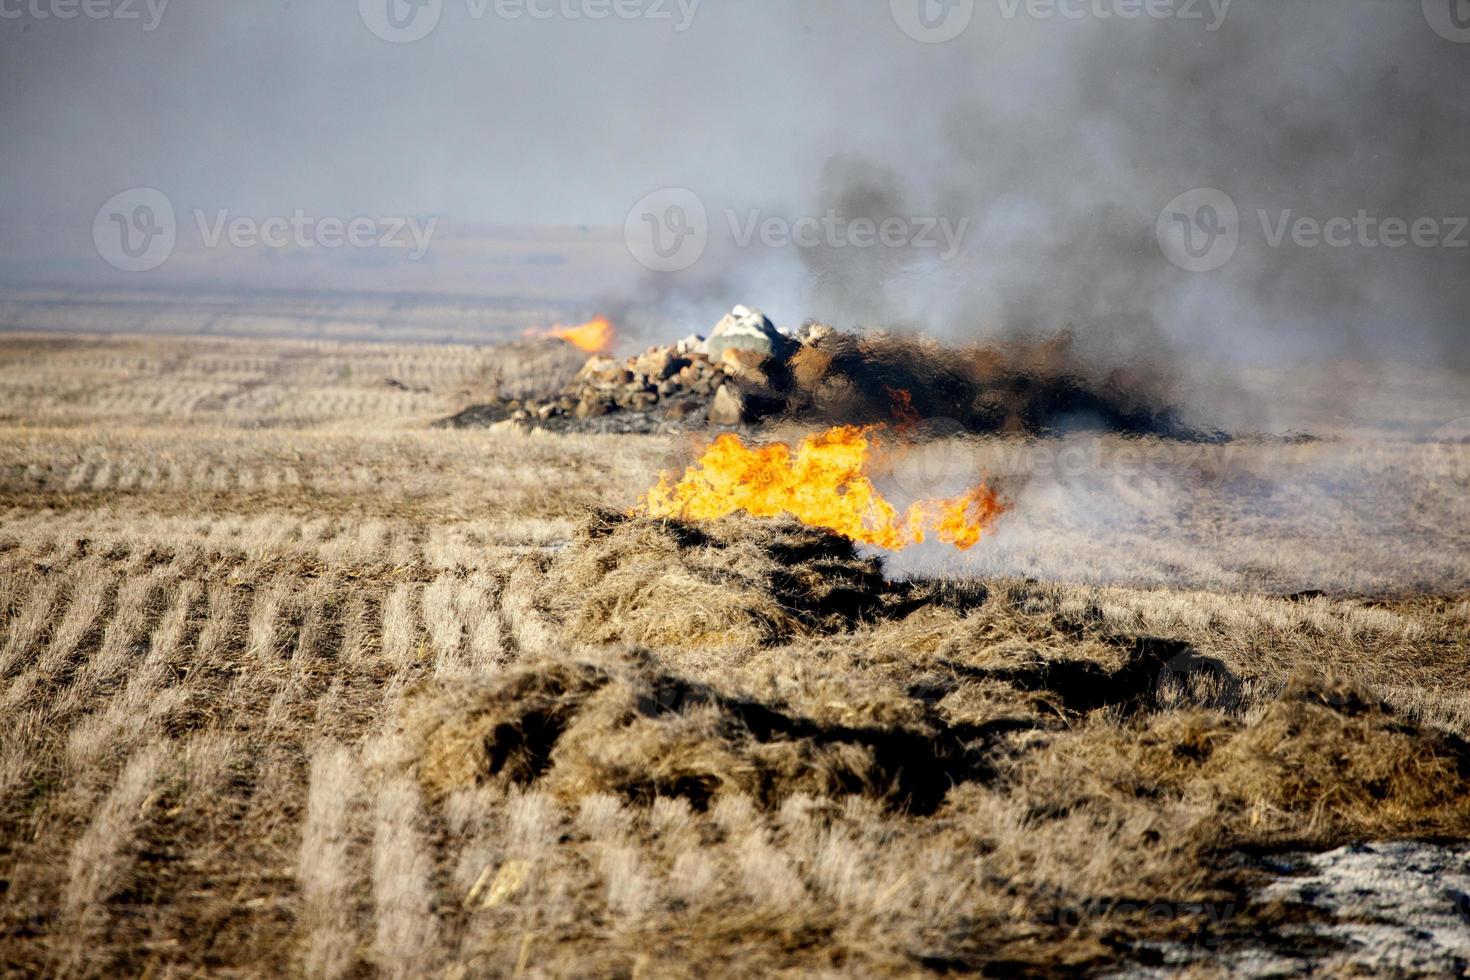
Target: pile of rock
x=695 y=382
x=748 y=372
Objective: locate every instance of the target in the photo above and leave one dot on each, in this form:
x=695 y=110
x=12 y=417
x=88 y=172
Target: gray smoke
x=1056 y=139
x=1061 y=142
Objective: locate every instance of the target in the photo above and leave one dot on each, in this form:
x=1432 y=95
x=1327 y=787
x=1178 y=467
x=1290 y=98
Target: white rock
x=692 y=344
x=748 y=329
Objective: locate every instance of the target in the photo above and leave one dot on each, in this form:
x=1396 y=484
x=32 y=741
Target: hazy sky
x=1056 y=134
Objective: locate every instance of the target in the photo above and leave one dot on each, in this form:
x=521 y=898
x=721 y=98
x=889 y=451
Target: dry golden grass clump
x=1321 y=763
x=623 y=727
x=1337 y=756
x=725 y=584
x=504 y=730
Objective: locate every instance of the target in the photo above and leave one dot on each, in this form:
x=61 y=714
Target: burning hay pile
x=748 y=372
x=824 y=482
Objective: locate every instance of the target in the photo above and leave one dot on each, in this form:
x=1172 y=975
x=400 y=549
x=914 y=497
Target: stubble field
x=294 y=683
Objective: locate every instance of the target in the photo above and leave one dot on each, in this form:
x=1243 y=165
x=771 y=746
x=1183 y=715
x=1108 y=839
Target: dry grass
x=407 y=936
x=324 y=870
x=735 y=584
x=328 y=692
x=101 y=858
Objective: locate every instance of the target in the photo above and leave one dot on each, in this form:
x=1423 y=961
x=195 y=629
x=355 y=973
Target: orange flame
x=822 y=483
x=595 y=336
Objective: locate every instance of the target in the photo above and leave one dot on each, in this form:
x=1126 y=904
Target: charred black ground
x=1023 y=387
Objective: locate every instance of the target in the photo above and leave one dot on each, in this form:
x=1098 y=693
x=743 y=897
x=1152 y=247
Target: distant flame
x=905 y=419
x=822 y=483
x=595 y=336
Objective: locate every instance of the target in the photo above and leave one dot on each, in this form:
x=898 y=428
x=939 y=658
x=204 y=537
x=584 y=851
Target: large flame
x=823 y=483
x=595 y=336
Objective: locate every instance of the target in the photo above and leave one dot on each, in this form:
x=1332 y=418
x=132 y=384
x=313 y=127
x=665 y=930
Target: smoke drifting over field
x=1056 y=138
x=1062 y=141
